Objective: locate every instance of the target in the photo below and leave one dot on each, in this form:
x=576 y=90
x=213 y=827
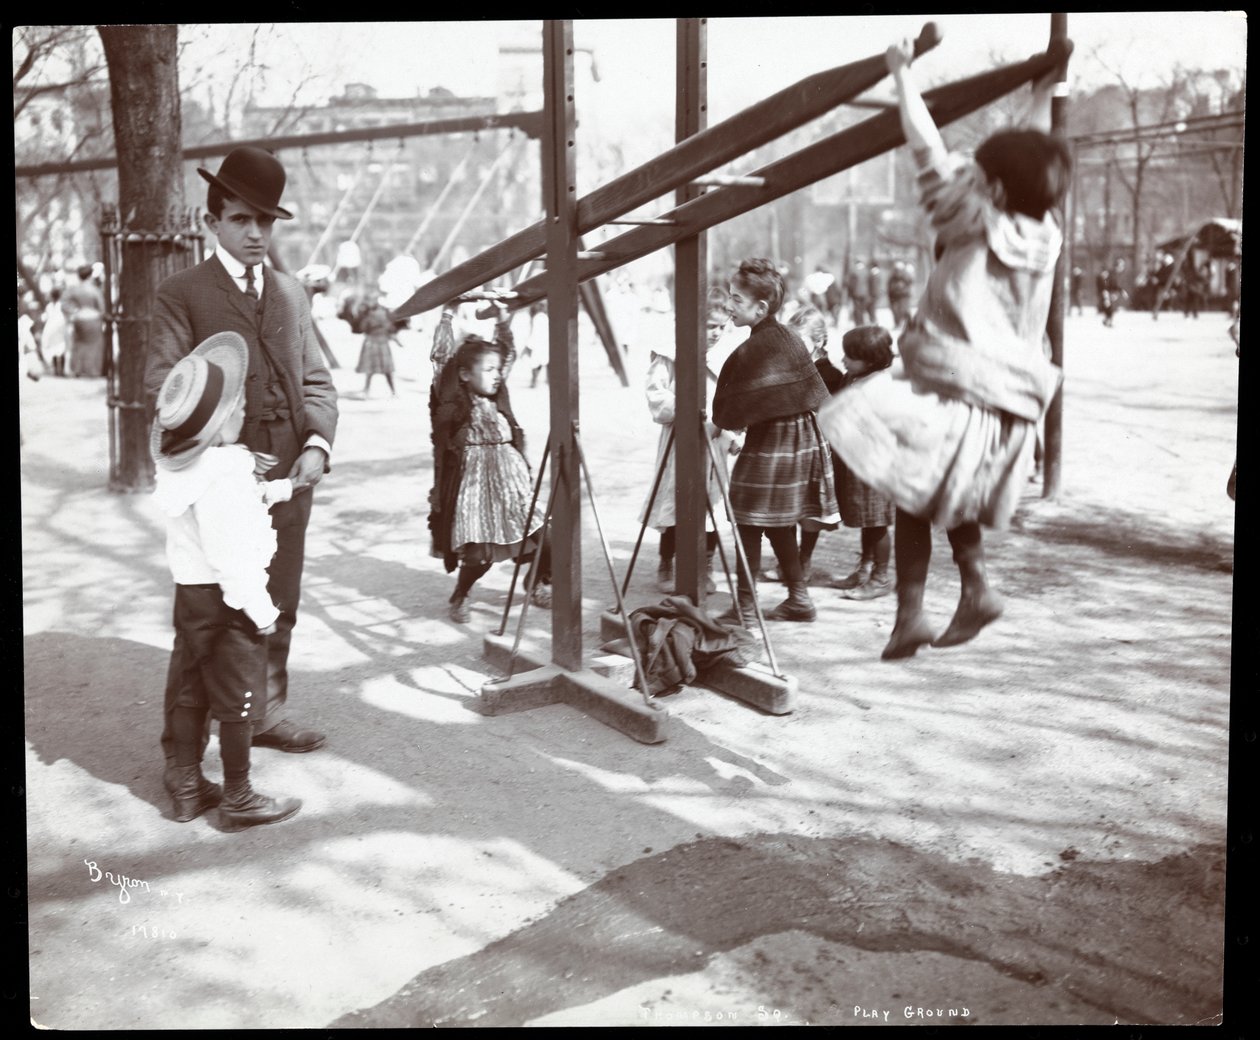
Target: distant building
x=331 y=187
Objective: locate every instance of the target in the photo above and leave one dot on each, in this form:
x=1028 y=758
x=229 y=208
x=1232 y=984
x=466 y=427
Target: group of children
x=944 y=437
x=948 y=435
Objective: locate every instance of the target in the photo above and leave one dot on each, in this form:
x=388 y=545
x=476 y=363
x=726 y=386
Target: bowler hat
x=254 y=176
x=196 y=399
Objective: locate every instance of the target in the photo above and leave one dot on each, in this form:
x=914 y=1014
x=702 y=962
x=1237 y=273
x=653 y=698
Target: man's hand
x=308 y=470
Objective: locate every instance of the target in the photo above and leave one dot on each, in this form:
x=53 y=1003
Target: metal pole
x=376 y=196
x=742 y=561
x=612 y=570
x=437 y=203
x=691 y=261
x=529 y=519
x=560 y=198
x=471 y=204
x=332 y=222
x=1052 y=463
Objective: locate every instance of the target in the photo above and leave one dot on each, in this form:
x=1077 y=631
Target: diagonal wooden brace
x=824 y=158
x=700 y=153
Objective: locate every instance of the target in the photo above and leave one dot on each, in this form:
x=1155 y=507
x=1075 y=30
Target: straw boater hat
x=196 y=399
x=254 y=176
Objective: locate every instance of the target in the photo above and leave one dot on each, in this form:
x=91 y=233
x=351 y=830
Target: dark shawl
x=768 y=376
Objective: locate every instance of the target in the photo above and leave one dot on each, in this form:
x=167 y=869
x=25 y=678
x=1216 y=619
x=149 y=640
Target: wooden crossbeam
x=754 y=126
x=528 y=122
x=824 y=158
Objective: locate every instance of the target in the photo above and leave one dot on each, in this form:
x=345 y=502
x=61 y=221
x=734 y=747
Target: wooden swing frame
x=700 y=203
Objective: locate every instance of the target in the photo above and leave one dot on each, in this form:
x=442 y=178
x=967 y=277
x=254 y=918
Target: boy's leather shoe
x=242 y=806
x=193 y=793
x=285 y=736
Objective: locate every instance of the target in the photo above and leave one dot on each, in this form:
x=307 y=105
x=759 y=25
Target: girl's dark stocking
x=750 y=539
x=876 y=545
x=783 y=542
x=911 y=630
x=809 y=540
x=469 y=574
x=668 y=542
x=978 y=605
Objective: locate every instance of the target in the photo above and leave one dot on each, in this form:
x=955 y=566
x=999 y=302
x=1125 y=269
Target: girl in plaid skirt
x=783 y=474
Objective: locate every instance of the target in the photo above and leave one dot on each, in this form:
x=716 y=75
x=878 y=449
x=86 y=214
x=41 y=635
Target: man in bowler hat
x=290 y=401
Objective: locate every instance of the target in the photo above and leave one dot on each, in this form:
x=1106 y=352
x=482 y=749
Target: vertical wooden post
x=560 y=199
x=691 y=261
x=1052 y=449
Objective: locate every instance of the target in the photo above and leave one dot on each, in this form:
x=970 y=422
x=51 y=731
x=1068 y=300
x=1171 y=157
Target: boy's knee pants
x=218 y=662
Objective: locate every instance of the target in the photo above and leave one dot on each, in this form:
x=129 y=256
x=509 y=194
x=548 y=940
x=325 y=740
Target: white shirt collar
x=237 y=269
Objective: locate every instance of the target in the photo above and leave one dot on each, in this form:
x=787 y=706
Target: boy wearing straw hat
x=219 y=543
x=290 y=401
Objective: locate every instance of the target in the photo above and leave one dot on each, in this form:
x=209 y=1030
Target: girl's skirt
x=860 y=504
x=936 y=457
x=375 y=358
x=491 y=508
x=783 y=475
x=664 y=507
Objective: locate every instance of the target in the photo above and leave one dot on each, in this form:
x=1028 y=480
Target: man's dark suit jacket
x=194 y=304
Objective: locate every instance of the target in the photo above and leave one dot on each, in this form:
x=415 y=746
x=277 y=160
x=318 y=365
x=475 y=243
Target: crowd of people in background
x=61 y=331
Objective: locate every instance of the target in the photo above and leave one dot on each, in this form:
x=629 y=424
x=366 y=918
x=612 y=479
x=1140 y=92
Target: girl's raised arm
x=1039 y=114
x=916 y=121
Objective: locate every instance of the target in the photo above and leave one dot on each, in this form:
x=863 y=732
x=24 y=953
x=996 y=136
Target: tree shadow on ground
x=1138 y=536
x=668 y=914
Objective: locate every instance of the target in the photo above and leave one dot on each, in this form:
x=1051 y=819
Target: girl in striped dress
x=482 y=481
x=783 y=475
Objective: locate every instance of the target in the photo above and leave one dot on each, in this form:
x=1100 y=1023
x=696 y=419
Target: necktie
x=251 y=289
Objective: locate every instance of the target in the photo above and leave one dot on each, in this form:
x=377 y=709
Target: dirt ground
x=1027 y=830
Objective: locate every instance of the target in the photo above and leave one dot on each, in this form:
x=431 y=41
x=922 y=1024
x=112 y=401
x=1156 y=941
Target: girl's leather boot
x=878 y=584
x=797 y=607
x=858 y=577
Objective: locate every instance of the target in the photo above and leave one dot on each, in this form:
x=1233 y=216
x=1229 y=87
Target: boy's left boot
x=244 y=807
x=797 y=607
x=193 y=794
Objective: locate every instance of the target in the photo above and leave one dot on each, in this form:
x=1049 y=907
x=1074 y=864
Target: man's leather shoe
x=285 y=736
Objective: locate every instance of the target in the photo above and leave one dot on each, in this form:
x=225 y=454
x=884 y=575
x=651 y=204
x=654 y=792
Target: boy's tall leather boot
x=192 y=793
x=797 y=607
x=244 y=807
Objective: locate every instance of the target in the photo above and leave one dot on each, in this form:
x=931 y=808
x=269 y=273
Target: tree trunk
x=144 y=97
